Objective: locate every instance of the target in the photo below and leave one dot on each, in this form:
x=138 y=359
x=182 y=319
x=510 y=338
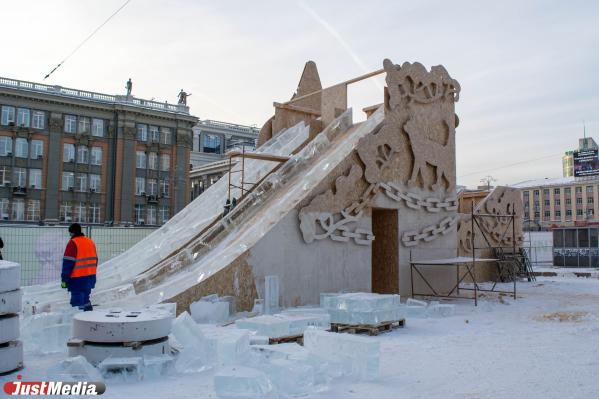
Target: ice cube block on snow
x=437 y=309
x=359 y=356
x=225 y=346
x=271 y=294
x=415 y=302
x=74 y=369
x=156 y=366
x=371 y=317
x=186 y=331
x=207 y=312
x=242 y=382
x=125 y=368
x=362 y=302
x=290 y=377
x=283 y=325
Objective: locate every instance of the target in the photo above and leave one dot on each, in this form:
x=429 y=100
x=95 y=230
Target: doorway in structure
x=385 y=251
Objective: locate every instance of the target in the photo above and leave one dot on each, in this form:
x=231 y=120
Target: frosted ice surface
x=324 y=297
x=155 y=367
x=186 y=331
x=242 y=382
x=368 y=317
x=210 y=312
x=358 y=355
x=437 y=309
x=271 y=294
x=231 y=301
x=224 y=346
x=210 y=298
x=415 y=302
x=290 y=377
x=415 y=311
x=259 y=340
x=258 y=306
x=305 y=310
x=74 y=369
x=53 y=338
x=362 y=302
x=282 y=325
x=122 y=368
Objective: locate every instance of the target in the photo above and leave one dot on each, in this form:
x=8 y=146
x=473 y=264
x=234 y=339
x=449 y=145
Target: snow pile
x=363 y=308
x=284 y=324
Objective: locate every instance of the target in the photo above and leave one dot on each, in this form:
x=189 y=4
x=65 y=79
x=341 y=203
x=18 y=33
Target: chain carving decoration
x=412 y=238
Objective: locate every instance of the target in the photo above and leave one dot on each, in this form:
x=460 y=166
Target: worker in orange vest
x=79 y=268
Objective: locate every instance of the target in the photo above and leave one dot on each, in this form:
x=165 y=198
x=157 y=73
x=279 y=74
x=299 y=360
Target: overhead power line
x=86 y=39
x=509 y=165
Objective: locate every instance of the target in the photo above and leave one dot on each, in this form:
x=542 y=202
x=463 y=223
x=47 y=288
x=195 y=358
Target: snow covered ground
x=543 y=345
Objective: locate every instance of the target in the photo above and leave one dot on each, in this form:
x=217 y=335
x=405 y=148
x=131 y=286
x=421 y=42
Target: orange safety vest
x=87 y=258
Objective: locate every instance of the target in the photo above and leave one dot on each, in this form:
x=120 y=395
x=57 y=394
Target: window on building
x=94 y=182
x=537 y=215
x=98 y=127
x=589 y=189
x=164 y=188
x=35 y=178
x=212 y=144
x=139 y=214
x=152 y=187
x=557 y=201
x=590 y=212
x=578 y=189
x=4 y=207
x=68 y=181
x=165 y=162
x=153 y=161
x=21 y=147
x=567 y=191
x=96 y=156
x=546 y=202
x=154 y=134
x=547 y=214
x=70 y=124
x=590 y=200
x=8 y=115
x=558 y=214
x=165 y=135
x=68 y=152
x=84 y=125
x=80 y=212
x=140 y=186
x=23 y=117
x=142 y=132
x=82 y=154
x=140 y=160
x=19 y=177
x=526 y=194
x=5 y=146
x=578 y=200
x=556 y=191
x=545 y=192
x=33 y=210
x=38 y=120
x=37 y=149
x=18 y=209
x=163 y=214
x=5 y=175
x=151 y=215
x=66 y=212
x=579 y=212
x=94 y=213
x=81 y=182
x=568 y=201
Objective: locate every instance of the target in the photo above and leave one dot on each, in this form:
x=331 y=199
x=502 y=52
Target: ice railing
x=92 y=96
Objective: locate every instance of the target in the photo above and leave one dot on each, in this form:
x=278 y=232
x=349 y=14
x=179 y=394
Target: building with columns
x=71 y=155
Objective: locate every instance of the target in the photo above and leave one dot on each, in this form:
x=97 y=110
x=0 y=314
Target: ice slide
x=178 y=231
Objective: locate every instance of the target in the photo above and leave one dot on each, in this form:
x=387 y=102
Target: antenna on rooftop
x=584 y=129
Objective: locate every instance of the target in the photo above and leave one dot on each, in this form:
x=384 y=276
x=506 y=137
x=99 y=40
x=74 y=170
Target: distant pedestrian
x=79 y=268
x=227 y=207
x=1 y=247
x=233 y=203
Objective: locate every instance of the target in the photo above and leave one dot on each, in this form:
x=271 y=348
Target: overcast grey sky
x=528 y=69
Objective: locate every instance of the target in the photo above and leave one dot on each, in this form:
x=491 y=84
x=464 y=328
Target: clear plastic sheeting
x=182 y=227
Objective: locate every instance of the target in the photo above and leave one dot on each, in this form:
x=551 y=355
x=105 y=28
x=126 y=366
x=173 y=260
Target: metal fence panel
x=39 y=249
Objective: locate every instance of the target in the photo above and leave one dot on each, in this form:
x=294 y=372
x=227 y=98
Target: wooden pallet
x=299 y=339
x=371 y=329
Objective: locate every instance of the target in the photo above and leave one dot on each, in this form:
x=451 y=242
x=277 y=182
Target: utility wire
x=86 y=39
x=509 y=165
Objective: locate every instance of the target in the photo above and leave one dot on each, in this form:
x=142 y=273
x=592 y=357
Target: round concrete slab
x=9 y=328
x=95 y=354
x=117 y=325
x=11 y=356
x=10 y=302
x=10 y=276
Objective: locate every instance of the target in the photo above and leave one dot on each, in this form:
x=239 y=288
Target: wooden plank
x=373 y=329
x=292 y=338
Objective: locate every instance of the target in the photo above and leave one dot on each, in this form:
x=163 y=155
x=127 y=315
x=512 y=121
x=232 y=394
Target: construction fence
x=539 y=247
x=39 y=249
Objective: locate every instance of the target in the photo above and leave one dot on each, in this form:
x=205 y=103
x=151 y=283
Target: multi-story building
x=71 y=155
x=211 y=140
x=585 y=143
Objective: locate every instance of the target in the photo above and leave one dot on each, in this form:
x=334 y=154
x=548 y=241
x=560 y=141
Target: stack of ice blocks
x=284 y=325
x=362 y=308
x=11 y=349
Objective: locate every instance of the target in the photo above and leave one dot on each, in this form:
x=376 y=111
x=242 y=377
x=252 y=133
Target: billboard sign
x=586 y=163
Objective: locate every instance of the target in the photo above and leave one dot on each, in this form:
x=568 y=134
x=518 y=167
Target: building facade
x=585 y=143
x=211 y=140
x=69 y=155
x=559 y=202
